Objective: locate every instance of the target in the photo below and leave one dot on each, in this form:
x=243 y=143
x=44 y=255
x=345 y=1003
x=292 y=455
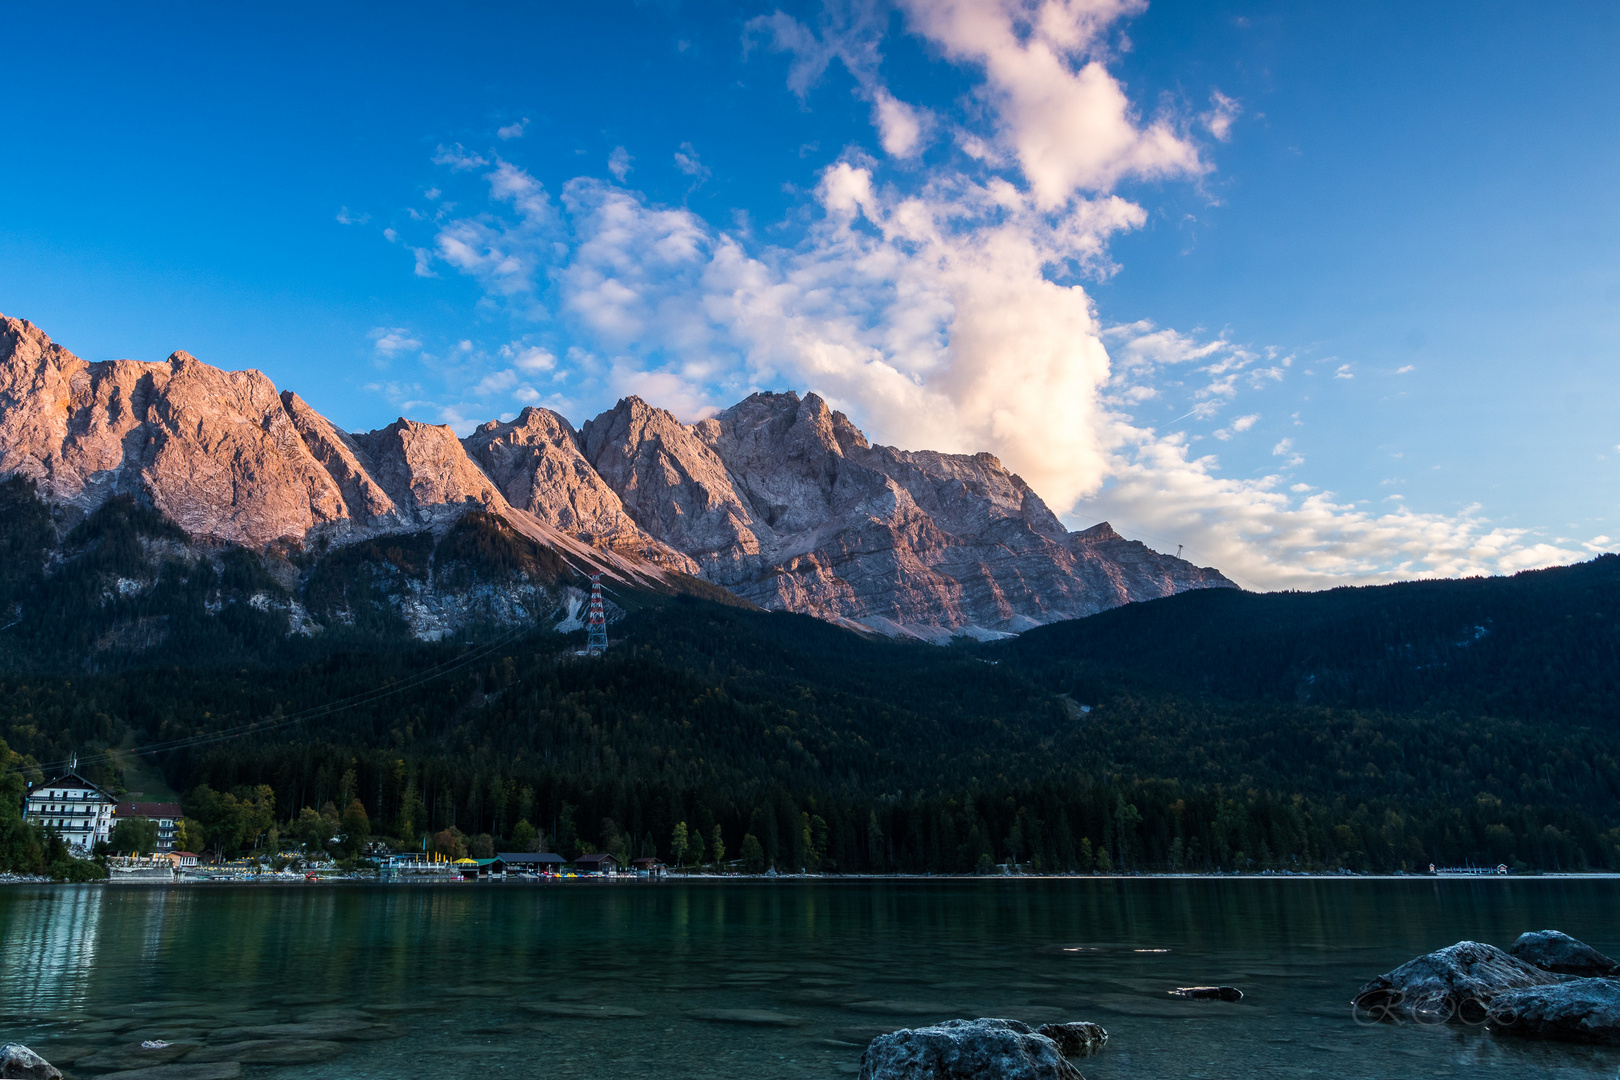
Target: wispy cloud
x=513 y=130
x=687 y=160
x=1223 y=113
x=392 y=341
x=457 y=157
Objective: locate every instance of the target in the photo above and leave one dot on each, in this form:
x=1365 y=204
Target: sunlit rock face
x=778 y=498
x=786 y=503
x=538 y=463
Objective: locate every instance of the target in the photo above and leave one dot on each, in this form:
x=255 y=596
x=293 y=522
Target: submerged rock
x=1075 y=1039
x=17 y=1062
x=225 y=1070
x=966 y=1050
x=268 y=1052
x=134 y=1057
x=1209 y=993
x=1583 y=1009
x=1553 y=950
x=1458 y=982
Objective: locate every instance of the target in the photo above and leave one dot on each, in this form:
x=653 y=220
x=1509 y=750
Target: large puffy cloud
x=1060 y=111
x=943 y=307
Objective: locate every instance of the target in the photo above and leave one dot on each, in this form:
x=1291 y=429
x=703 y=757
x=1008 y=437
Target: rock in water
x=17 y=1062
x=1458 y=982
x=1209 y=993
x=1587 y=1010
x=1075 y=1039
x=981 y=1049
x=1553 y=950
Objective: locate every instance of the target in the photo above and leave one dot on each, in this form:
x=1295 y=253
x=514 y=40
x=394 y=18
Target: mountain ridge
x=778 y=499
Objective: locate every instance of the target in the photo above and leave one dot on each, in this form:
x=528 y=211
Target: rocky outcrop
x=1075 y=1039
x=966 y=1050
x=214 y=451
x=785 y=502
x=17 y=1062
x=1586 y=1010
x=1459 y=982
x=1553 y=950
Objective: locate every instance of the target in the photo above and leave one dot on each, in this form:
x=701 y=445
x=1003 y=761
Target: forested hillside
x=1543 y=644
x=1381 y=728
x=847 y=753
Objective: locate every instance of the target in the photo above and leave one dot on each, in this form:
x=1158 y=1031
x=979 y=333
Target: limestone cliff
x=786 y=503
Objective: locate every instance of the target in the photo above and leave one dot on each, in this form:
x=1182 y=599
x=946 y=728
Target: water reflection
x=743 y=979
x=49 y=945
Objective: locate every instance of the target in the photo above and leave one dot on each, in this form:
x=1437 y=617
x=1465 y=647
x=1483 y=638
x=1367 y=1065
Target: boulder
x=1458 y=982
x=1586 y=1010
x=1553 y=950
x=1075 y=1039
x=983 y=1049
x=1209 y=993
x=17 y=1062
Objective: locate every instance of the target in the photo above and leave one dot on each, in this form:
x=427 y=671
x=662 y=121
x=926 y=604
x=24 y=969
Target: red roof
x=148 y=809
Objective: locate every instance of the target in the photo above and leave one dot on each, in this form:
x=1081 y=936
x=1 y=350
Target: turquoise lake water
x=757 y=979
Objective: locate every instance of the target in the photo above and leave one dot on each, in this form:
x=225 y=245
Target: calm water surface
x=756 y=979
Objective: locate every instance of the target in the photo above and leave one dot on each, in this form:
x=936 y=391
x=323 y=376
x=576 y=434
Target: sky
x=1317 y=294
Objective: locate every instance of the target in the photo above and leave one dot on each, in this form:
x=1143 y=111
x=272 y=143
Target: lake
x=757 y=978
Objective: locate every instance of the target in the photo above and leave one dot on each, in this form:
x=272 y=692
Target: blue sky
x=1324 y=295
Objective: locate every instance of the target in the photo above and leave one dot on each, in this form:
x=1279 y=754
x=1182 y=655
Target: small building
x=651 y=867
x=180 y=860
x=78 y=810
x=531 y=862
x=166 y=814
x=599 y=863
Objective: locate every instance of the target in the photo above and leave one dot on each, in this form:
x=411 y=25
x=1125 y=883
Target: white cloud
x=619 y=163
x=1061 y=113
x=686 y=160
x=531 y=359
x=345 y=216
x=900 y=126
x=1223 y=112
x=496 y=382
x=391 y=341
x=1237 y=427
x=457 y=157
x=1285 y=449
x=513 y=130
x=1405 y=369
x=1344 y=372
x=1264 y=538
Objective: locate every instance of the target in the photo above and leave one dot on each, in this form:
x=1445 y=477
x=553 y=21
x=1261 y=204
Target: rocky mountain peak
x=779 y=498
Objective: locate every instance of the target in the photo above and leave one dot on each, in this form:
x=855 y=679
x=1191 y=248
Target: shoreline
x=722 y=879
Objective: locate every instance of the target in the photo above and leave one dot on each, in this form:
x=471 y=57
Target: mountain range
x=778 y=500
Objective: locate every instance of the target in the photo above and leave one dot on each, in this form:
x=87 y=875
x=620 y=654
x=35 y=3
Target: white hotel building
x=78 y=810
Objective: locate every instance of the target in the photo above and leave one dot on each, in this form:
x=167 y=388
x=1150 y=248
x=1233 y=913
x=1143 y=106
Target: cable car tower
x=596 y=621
